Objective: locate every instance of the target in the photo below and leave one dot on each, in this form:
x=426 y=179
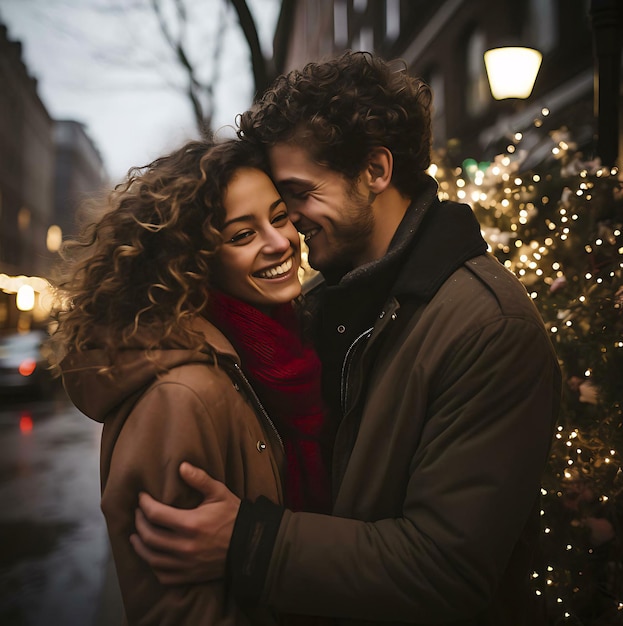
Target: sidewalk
x=110 y=606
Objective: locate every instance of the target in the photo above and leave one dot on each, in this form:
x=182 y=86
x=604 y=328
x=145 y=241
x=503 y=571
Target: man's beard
x=350 y=238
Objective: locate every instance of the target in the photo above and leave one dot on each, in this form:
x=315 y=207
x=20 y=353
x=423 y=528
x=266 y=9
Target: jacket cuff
x=251 y=548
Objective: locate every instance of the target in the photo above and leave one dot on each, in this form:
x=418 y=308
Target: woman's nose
x=276 y=241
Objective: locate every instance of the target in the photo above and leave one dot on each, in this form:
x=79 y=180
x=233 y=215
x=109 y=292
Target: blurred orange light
x=25 y=424
x=27 y=367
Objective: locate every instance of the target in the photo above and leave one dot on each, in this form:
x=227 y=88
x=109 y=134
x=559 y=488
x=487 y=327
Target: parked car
x=23 y=368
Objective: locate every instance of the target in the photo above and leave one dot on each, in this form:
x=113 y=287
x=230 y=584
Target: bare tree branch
x=181 y=10
x=203 y=116
x=282 y=32
x=162 y=23
x=176 y=57
x=261 y=74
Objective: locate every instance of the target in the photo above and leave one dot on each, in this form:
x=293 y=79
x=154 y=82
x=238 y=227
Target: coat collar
x=433 y=240
x=448 y=236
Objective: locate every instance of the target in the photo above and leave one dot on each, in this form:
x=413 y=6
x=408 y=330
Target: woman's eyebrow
x=240 y=218
x=250 y=217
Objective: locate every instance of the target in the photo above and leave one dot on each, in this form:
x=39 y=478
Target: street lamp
x=512 y=71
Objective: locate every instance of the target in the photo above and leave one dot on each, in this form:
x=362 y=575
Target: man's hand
x=187 y=545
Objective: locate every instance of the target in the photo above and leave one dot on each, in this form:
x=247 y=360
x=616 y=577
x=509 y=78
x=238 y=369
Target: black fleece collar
x=433 y=240
x=448 y=236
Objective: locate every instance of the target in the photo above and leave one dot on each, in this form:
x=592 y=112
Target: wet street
x=53 y=545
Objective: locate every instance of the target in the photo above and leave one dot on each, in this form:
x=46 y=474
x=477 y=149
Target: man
x=437 y=369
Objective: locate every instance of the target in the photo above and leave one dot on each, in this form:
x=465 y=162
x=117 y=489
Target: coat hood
x=96 y=389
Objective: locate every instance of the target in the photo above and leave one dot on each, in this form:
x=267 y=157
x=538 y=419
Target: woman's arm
x=170 y=423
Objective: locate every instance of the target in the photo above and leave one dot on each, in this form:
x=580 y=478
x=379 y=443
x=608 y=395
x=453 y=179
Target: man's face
x=332 y=213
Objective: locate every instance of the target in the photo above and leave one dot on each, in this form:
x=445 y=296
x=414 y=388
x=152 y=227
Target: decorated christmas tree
x=558 y=225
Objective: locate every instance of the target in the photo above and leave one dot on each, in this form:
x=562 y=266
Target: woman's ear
x=380 y=169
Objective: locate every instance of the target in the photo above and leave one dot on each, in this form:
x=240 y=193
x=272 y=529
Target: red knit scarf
x=285 y=374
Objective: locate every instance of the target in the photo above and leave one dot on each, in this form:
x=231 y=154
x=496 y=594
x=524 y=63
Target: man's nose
x=296 y=217
x=293 y=213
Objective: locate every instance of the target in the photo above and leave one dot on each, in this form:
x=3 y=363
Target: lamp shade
x=512 y=71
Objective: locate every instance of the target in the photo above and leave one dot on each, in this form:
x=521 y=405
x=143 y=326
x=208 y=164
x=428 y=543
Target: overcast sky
x=110 y=70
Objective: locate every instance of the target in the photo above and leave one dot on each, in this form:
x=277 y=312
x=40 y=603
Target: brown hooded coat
x=195 y=411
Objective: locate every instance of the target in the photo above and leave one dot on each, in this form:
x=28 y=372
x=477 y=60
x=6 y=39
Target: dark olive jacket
x=448 y=394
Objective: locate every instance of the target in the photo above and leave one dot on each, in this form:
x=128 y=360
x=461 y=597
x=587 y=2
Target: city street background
x=53 y=544
x=109 y=69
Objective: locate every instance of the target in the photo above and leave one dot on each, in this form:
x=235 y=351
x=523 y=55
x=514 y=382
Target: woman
x=179 y=296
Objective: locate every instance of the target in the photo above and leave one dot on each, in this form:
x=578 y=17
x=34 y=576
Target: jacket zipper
x=346 y=367
x=258 y=404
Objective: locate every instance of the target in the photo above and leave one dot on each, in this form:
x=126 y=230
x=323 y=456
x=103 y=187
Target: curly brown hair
x=341 y=109
x=147 y=261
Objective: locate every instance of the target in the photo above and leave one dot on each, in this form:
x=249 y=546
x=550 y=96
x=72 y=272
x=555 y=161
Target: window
x=23 y=218
x=542 y=29
x=366 y=39
x=477 y=93
x=392 y=19
x=340 y=23
x=54 y=238
x=436 y=83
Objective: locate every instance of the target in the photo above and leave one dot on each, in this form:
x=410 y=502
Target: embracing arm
x=473 y=482
x=177 y=559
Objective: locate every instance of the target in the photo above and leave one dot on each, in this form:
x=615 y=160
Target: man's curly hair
x=147 y=261
x=341 y=109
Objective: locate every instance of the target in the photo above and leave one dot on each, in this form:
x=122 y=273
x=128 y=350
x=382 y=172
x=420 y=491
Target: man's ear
x=380 y=169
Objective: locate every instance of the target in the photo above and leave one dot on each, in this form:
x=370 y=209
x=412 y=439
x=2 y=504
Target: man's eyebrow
x=294 y=181
x=249 y=217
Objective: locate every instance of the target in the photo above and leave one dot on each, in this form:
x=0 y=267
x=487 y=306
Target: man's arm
x=187 y=545
x=474 y=479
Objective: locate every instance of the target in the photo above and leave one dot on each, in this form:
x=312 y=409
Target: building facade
x=26 y=165
x=79 y=173
x=444 y=43
x=46 y=169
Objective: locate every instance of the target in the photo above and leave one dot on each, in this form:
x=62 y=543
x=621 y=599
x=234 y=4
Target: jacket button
x=394 y=316
x=341 y=329
x=261 y=446
x=381 y=315
x=236 y=386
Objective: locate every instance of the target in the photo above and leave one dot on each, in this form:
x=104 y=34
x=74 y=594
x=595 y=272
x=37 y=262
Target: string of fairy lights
x=571 y=263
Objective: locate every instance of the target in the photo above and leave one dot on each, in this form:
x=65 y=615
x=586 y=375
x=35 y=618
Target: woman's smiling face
x=261 y=252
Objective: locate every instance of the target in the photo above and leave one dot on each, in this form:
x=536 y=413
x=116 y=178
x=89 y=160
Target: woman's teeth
x=286 y=266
